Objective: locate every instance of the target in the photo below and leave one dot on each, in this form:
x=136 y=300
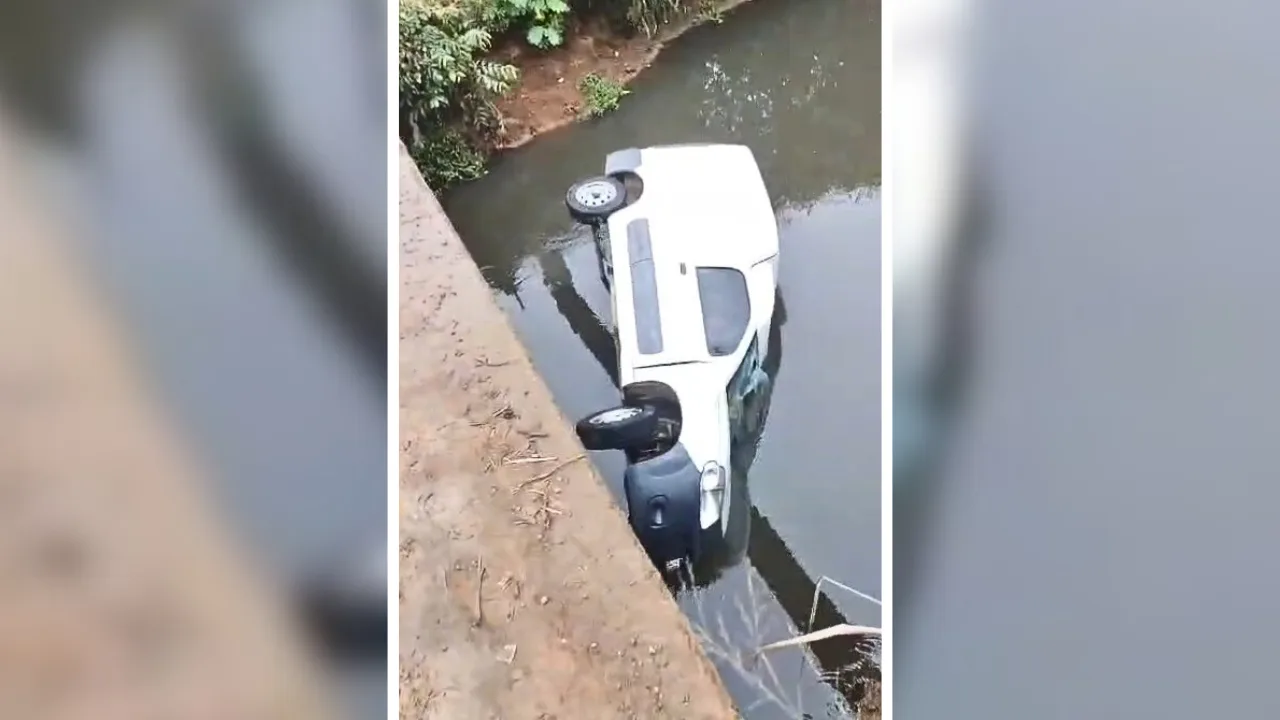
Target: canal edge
x=523 y=590
x=618 y=71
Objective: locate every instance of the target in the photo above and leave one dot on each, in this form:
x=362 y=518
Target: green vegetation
x=449 y=83
x=650 y=15
x=543 y=19
x=601 y=95
x=446 y=84
x=710 y=12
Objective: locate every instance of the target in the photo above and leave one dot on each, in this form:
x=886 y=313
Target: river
x=800 y=85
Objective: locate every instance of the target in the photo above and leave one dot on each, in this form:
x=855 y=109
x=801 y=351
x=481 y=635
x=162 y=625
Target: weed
x=650 y=15
x=710 y=11
x=600 y=94
x=856 y=685
x=446 y=157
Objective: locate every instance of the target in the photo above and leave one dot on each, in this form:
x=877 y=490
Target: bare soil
x=523 y=593
x=547 y=96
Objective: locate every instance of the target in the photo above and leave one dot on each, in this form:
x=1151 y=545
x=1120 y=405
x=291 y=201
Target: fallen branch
x=834 y=631
x=546 y=475
x=479 y=597
x=817 y=591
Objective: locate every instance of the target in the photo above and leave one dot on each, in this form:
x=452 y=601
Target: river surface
x=800 y=84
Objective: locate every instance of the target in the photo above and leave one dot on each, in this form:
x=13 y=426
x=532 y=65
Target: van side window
x=726 y=308
x=744 y=376
x=743 y=382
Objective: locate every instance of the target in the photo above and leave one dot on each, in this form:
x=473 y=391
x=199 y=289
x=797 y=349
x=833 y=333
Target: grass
x=600 y=94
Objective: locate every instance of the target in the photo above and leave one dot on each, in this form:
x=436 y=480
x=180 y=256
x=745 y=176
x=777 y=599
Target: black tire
x=660 y=396
x=618 y=428
x=593 y=200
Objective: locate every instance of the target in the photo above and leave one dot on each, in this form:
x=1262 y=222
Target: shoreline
x=547 y=96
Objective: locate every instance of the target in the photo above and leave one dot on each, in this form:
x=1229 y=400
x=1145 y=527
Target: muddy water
x=800 y=84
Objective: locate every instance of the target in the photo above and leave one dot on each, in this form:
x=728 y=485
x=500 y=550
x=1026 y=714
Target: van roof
x=702 y=207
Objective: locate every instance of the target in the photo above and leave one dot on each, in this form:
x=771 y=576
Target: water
x=799 y=84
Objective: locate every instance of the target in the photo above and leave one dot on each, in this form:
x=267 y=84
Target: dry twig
x=546 y=475
x=479 y=588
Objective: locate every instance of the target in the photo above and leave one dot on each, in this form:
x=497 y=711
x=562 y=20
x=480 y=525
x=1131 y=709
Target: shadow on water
x=800 y=85
x=590 y=329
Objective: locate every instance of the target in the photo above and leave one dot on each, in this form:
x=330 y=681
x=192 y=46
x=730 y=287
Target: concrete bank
x=523 y=593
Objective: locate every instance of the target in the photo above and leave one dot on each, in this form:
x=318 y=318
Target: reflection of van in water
x=688 y=247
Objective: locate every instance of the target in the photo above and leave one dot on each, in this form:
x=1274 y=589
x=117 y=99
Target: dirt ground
x=547 y=96
x=523 y=593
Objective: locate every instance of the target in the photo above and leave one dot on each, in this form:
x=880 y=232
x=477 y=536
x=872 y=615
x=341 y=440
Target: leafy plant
x=544 y=20
x=446 y=158
x=448 y=88
x=709 y=11
x=650 y=15
x=445 y=83
x=600 y=94
x=440 y=67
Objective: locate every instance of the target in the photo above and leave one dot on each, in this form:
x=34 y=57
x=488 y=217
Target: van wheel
x=591 y=201
x=618 y=428
x=660 y=396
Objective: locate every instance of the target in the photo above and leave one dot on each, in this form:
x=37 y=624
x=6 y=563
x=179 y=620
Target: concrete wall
x=524 y=593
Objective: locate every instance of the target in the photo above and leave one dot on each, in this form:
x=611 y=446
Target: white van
x=688 y=247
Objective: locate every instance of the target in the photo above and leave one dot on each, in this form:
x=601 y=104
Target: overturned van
x=688 y=247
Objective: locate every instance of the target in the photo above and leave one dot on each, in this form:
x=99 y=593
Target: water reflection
x=595 y=337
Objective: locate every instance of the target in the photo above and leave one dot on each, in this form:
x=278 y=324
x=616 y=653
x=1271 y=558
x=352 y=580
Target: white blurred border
x=393 y=362
x=923 y=75
x=887 y=111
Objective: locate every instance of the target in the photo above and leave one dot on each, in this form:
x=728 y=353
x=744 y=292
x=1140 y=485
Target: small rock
x=543 y=600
